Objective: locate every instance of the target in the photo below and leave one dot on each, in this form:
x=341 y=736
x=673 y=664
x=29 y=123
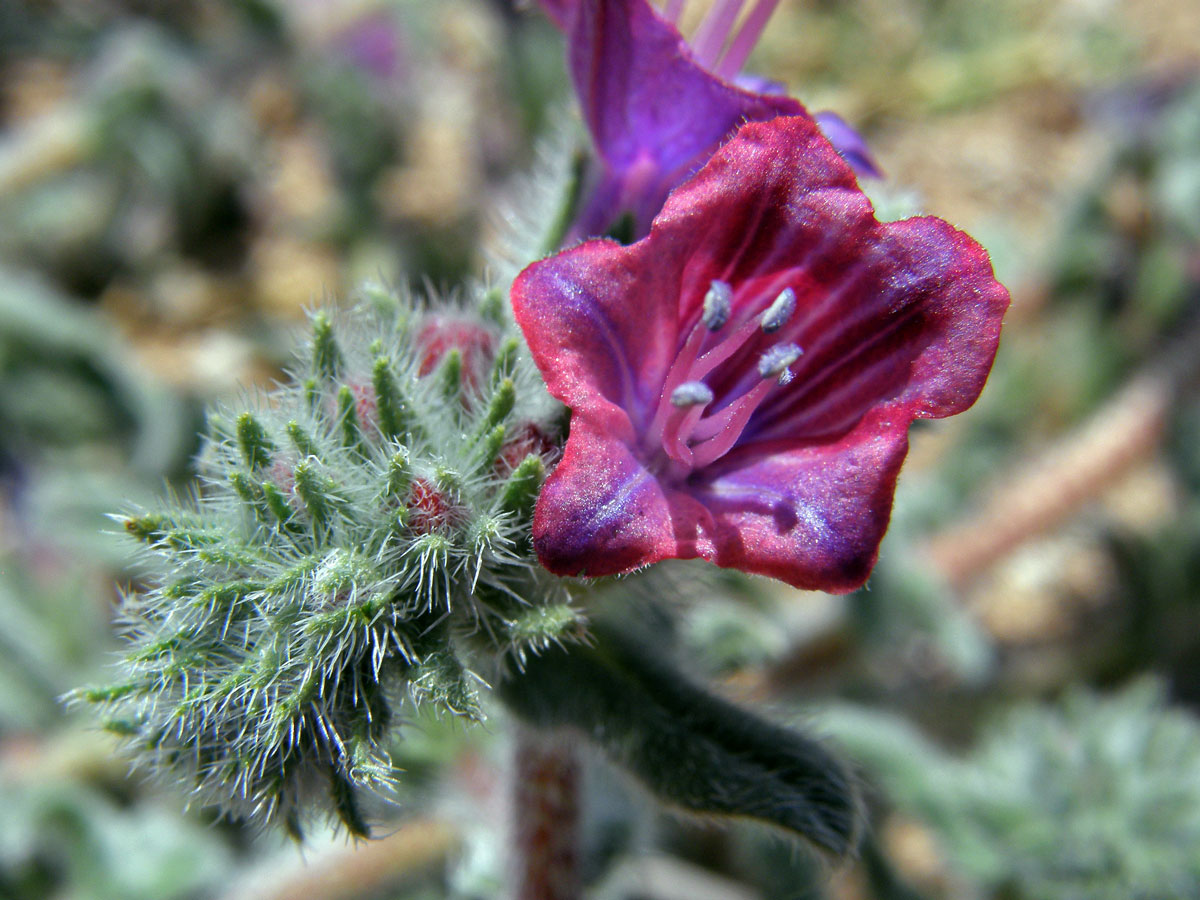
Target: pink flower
x=742 y=380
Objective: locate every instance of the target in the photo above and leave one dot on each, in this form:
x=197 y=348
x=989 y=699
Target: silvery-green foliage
x=360 y=540
x=1098 y=797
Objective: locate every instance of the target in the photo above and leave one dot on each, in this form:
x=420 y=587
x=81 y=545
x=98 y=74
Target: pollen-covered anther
x=691 y=393
x=780 y=310
x=718 y=303
x=775 y=361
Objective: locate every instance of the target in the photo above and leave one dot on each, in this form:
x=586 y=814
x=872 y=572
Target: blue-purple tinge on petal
x=760 y=84
x=848 y=143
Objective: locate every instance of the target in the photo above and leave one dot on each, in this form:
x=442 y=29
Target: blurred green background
x=1017 y=685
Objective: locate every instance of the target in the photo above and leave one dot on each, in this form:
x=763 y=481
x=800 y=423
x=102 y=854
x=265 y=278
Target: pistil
x=690 y=400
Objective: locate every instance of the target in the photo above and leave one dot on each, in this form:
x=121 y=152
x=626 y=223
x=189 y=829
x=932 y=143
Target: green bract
x=360 y=541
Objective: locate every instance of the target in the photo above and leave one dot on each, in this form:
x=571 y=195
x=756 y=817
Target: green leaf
x=691 y=748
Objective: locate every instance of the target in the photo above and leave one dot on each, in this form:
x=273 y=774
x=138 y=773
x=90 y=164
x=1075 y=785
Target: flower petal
x=905 y=313
x=601 y=512
x=653 y=111
x=920 y=340
x=810 y=516
x=600 y=321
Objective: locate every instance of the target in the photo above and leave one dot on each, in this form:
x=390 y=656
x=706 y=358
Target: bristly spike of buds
x=361 y=537
x=276 y=502
x=147 y=527
x=449 y=375
x=490 y=447
x=394 y=411
x=399 y=474
x=317 y=492
x=351 y=428
x=301 y=439
x=506 y=360
x=249 y=493
x=501 y=404
x=312 y=393
x=442 y=681
x=327 y=356
x=448 y=478
x=520 y=492
x=252 y=438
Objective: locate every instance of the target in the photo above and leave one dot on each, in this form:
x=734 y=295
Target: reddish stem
x=546 y=779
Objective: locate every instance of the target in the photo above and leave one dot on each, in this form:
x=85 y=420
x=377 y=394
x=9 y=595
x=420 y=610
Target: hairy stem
x=546 y=782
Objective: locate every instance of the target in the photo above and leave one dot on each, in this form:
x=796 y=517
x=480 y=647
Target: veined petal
x=810 y=516
x=906 y=313
x=916 y=330
x=601 y=511
x=601 y=324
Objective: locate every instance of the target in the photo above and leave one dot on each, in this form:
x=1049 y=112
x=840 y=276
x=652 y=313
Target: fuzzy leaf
x=693 y=749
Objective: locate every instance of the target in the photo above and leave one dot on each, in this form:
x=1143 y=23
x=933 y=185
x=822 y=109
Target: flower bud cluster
x=361 y=540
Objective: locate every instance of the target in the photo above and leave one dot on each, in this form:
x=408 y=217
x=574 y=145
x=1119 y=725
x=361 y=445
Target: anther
x=692 y=393
x=779 y=311
x=717 y=305
x=776 y=360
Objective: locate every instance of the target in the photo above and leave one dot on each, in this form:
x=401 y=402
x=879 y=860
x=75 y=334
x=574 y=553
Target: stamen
x=773 y=318
x=689 y=400
x=779 y=311
x=680 y=426
x=718 y=303
x=717 y=434
x=752 y=28
x=692 y=393
x=709 y=39
x=775 y=362
x=717 y=307
x=725 y=349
